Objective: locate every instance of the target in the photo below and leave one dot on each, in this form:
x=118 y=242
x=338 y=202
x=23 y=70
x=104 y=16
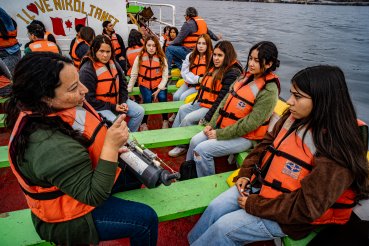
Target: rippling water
x=305 y=35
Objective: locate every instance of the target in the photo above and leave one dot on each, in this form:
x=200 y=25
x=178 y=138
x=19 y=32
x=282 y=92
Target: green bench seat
x=181 y=199
x=136 y=90
x=2 y=116
x=166 y=137
x=162 y=107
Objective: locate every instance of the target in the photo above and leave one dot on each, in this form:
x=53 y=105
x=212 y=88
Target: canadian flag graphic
x=60 y=26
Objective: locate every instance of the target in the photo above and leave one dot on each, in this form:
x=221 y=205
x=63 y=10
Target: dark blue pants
x=147 y=98
x=117 y=218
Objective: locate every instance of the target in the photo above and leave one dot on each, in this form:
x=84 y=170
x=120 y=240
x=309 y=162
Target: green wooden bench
x=162 y=107
x=2 y=116
x=150 y=139
x=181 y=199
x=136 y=90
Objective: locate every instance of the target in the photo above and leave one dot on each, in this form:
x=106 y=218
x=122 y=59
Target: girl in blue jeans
x=309 y=171
x=226 y=135
x=150 y=68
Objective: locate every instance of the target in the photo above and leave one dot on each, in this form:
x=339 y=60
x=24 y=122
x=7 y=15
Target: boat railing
x=160 y=7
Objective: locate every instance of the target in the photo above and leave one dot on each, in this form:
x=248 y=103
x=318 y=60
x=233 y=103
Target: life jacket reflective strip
x=202 y=28
x=207 y=95
x=131 y=54
x=114 y=41
x=150 y=72
x=73 y=54
x=49 y=203
x=198 y=68
x=9 y=40
x=44 y=46
x=289 y=160
x=240 y=102
x=107 y=86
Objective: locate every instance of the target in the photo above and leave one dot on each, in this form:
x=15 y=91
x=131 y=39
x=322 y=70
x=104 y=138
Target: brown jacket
x=296 y=210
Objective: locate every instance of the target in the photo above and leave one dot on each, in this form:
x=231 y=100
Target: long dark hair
x=268 y=52
x=36 y=76
x=135 y=38
x=230 y=56
x=333 y=121
x=208 y=52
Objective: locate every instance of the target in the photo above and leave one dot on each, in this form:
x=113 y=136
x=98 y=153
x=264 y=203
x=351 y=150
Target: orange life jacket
x=10 y=41
x=240 y=102
x=75 y=58
x=289 y=160
x=50 y=204
x=44 y=46
x=207 y=95
x=107 y=86
x=115 y=43
x=191 y=40
x=131 y=54
x=150 y=72
x=198 y=68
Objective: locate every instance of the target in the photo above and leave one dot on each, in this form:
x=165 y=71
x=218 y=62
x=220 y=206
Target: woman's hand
x=116 y=137
x=212 y=134
x=155 y=94
x=241 y=185
x=207 y=129
x=120 y=108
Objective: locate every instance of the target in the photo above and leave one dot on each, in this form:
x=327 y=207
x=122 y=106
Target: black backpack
x=188 y=170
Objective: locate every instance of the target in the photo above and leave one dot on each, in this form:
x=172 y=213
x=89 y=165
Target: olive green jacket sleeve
x=261 y=111
x=53 y=158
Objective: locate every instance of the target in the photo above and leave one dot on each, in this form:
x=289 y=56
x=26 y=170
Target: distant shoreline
x=305 y=2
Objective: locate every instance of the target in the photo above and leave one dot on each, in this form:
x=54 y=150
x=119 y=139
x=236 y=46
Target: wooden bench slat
x=136 y=90
x=162 y=107
x=166 y=137
x=180 y=199
x=4 y=162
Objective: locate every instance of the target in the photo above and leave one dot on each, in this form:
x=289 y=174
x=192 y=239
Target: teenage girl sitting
x=243 y=115
x=150 y=68
x=221 y=73
x=193 y=69
x=310 y=170
x=106 y=83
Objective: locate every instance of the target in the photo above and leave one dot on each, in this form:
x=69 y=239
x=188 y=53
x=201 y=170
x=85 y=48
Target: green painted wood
x=287 y=241
x=162 y=107
x=136 y=90
x=4 y=162
x=3 y=99
x=240 y=157
x=180 y=199
x=166 y=137
x=17 y=229
x=2 y=116
x=134 y=9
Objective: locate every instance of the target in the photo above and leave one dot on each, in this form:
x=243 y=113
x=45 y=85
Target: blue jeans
x=183 y=92
x=135 y=113
x=147 y=98
x=189 y=114
x=117 y=218
x=176 y=54
x=203 y=150
x=225 y=223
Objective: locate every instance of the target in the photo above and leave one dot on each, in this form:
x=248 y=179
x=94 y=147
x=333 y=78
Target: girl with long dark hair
x=311 y=169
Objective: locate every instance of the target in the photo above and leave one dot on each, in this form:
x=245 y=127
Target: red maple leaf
x=69 y=24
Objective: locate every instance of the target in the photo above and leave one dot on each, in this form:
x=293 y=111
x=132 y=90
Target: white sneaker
x=165 y=124
x=172 y=118
x=177 y=151
x=143 y=127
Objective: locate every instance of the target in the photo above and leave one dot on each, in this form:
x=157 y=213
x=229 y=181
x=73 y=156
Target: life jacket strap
x=234 y=94
x=299 y=162
x=44 y=195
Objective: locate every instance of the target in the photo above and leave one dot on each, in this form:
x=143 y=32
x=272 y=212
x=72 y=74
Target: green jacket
x=262 y=110
x=52 y=158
